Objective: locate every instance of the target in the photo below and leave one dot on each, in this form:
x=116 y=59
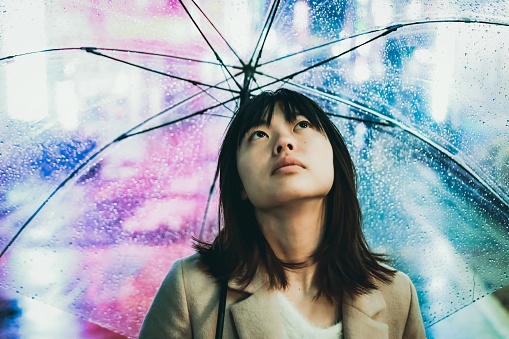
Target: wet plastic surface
x=106 y=169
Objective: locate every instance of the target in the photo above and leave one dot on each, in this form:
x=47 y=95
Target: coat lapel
x=257 y=316
x=365 y=317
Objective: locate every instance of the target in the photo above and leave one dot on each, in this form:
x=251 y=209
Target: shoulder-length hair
x=344 y=262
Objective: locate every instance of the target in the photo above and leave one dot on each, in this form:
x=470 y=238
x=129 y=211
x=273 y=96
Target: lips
x=286 y=161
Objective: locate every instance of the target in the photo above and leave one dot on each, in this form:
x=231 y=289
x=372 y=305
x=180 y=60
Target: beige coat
x=187 y=301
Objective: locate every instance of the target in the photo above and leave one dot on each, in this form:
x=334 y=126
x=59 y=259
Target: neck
x=294 y=232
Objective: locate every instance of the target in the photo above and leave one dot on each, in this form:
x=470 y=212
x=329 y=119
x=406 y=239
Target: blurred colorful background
x=111 y=115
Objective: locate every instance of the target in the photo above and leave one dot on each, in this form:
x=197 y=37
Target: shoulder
x=190 y=271
x=403 y=311
x=400 y=290
x=184 y=293
x=401 y=300
x=190 y=264
x=399 y=281
x=189 y=274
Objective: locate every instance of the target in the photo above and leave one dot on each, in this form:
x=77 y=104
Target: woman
x=291 y=247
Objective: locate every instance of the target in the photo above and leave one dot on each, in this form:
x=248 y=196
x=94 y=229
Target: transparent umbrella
x=112 y=116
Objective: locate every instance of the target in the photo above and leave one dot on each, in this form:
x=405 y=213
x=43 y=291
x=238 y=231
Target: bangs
x=260 y=109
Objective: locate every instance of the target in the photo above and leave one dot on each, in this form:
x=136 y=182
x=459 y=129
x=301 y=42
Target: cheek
x=244 y=169
x=328 y=162
x=247 y=181
x=241 y=170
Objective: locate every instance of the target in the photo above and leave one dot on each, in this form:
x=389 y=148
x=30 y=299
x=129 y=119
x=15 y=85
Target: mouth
x=286 y=162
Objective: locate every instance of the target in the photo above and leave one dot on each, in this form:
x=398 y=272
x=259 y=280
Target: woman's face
x=285 y=162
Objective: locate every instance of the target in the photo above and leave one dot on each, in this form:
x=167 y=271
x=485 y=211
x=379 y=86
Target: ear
x=243 y=194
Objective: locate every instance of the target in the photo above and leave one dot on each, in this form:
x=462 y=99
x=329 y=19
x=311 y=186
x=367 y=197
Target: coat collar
x=363 y=316
x=257 y=316
x=259 y=280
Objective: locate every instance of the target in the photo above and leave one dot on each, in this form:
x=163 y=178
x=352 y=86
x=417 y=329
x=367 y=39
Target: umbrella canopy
x=111 y=118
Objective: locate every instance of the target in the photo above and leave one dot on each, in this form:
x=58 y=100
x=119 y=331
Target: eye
x=303 y=124
x=257 y=135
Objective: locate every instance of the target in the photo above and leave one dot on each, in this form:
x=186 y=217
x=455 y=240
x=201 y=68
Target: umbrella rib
x=366 y=121
x=165 y=110
x=463 y=20
x=41 y=51
x=218 y=32
x=321 y=46
x=215 y=99
x=193 y=82
x=256 y=81
x=266 y=26
x=320 y=63
x=272 y=17
x=447 y=315
x=207 y=206
x=114 y=50
x=396 y=123
x=341 y=100
x=458 y=20
x=127 y=135
x=163 y=55
x=209 y=44
x=226 y=78
x=452 y=156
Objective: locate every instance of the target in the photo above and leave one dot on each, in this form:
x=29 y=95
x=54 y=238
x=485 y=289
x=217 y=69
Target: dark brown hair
x=344 y=262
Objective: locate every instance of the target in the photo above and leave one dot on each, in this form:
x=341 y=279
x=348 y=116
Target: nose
x=284 y=144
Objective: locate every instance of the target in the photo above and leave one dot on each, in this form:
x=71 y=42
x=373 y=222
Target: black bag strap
x=221 y=309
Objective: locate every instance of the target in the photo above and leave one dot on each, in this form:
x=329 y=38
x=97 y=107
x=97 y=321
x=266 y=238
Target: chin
x=288 y=198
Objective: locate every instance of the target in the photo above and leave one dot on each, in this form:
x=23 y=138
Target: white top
x=296 y=326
